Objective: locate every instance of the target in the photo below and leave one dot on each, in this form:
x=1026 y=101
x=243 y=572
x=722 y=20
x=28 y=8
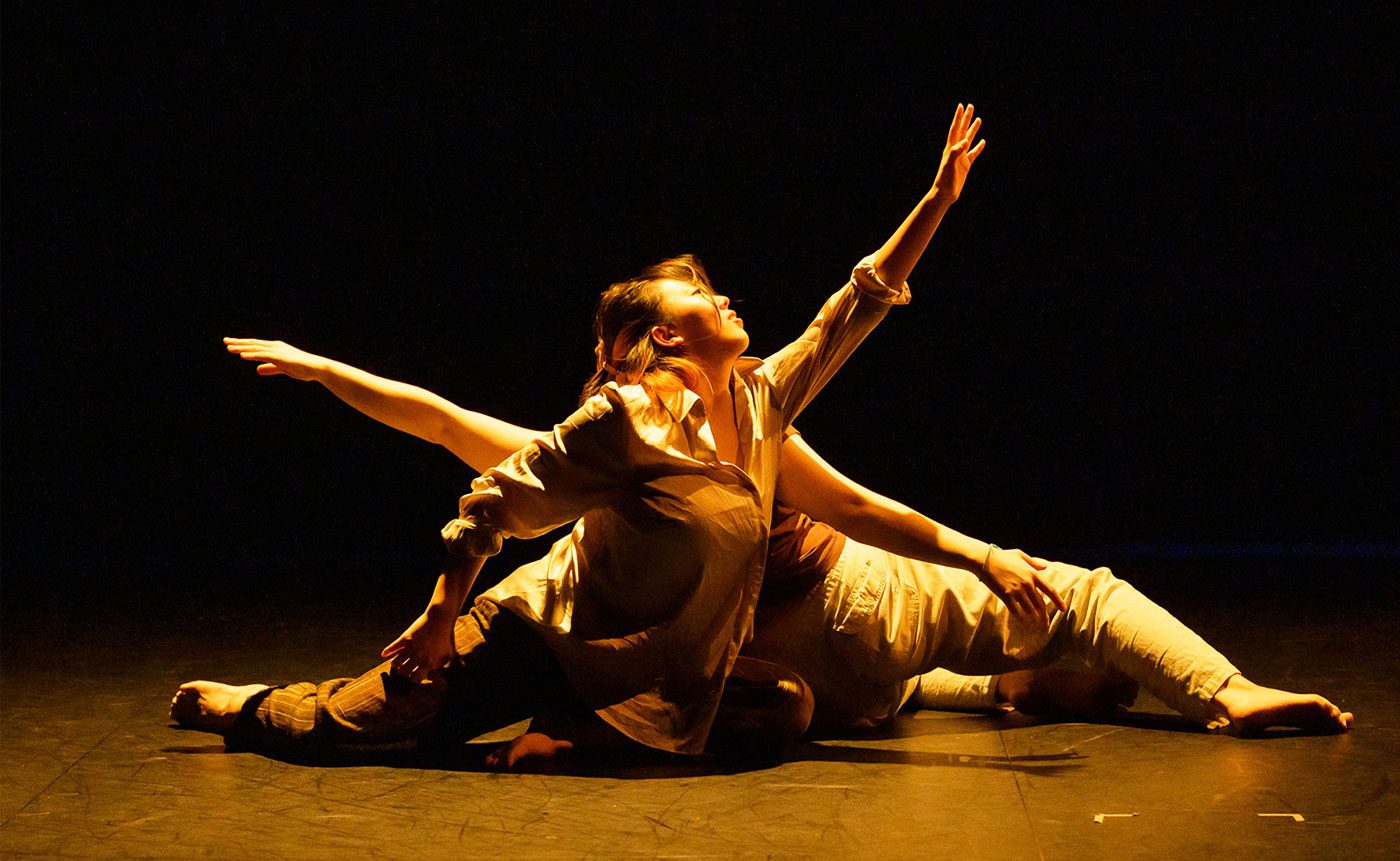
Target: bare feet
x=1253 y=708
x=527 y=752
x=210 y=706
x=1058 y=693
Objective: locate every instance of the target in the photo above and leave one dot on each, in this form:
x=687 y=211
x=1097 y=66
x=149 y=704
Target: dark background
x=1156 y=325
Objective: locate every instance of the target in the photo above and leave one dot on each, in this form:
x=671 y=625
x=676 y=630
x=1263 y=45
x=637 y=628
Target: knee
x=1082 y=586
x=765 y=708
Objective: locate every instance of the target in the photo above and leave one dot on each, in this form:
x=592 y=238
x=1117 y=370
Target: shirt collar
x=747 y=365
x=679 y=402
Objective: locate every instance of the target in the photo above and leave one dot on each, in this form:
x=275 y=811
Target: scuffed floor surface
x=93 y=768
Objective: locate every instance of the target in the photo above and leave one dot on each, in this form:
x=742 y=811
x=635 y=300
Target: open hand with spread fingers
x=959 y=152
x=424 y=649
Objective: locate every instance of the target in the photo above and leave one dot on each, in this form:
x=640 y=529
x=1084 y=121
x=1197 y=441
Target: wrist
x=987 y=558
x=439 y=612
x=322 y=370
x=940 y=196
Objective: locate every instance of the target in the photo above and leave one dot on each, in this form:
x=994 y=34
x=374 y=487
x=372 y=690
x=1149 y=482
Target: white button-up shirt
x=648 y=599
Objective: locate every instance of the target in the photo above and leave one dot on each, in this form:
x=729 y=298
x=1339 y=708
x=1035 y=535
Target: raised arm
x=801 y=369
x=480 y=440
x=896 y=258
x=814 y=487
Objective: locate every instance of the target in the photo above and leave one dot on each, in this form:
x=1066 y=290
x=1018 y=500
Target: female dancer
x=670 y=467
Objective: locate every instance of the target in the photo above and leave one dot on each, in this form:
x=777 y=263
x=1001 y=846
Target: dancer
x=670 y=466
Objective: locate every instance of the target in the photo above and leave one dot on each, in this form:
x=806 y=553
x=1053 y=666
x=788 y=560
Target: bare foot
x=1253 y=708
x=1050 y=692
x=527 y=752
x=210 y=706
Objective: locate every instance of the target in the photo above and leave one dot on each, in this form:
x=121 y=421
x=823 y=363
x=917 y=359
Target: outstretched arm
x=480 y=440
x=814 y=487
x=896 y=258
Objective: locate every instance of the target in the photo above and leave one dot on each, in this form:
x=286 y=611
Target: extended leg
x=892 y=617
x=501 y=673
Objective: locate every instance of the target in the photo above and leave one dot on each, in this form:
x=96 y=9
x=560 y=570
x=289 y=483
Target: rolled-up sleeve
x=548 y=483
x=799 y=370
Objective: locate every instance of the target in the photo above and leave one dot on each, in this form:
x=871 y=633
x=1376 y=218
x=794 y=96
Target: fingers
x=236 y=344
x=1020 y=605
x=246 y=346
x=971 y=134
x=268 y=369
x=1040 y=615
x=1037 y=564
x=1054 y=596
x=251 y=351
x=1025 y=602
x=1032 y=610
x=407 y=665
x=953 y=128
x=973 y=153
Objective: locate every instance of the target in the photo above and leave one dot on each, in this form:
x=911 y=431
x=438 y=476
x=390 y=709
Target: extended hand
x=958 y=154
x=1015 y=578
x=277 y=357
x=423 y=650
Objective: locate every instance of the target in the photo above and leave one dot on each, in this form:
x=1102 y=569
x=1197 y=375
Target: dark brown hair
x=622 y=324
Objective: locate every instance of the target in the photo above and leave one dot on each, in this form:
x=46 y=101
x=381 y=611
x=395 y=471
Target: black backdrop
x=1156 y=321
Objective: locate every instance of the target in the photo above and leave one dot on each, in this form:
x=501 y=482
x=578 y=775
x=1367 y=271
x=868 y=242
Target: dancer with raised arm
x=669 y=468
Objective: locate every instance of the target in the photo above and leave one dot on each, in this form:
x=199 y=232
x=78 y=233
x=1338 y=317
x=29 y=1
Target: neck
x=715 y=383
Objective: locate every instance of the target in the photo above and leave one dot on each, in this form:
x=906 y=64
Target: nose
x=722 y=302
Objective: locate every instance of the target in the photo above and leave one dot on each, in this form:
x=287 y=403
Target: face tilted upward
x=701 y=323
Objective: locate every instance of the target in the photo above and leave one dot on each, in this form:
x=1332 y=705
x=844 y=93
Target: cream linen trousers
x=879 y=622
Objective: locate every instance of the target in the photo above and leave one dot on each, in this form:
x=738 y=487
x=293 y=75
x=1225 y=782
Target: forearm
x=453 y=585
x=480 y=440
x=399 y=405
x=896 y=258
x=903 y=531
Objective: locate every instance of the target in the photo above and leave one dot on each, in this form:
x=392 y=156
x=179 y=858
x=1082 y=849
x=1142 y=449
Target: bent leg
x=765 y=708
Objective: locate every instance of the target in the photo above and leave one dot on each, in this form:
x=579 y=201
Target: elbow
x=436 y=430
x=852 y=509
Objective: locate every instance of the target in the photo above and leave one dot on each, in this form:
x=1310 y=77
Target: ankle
x=1013 y=688
x=1230 y=693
